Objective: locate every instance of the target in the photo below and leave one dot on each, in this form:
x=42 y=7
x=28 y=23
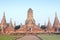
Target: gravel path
x=29 y=37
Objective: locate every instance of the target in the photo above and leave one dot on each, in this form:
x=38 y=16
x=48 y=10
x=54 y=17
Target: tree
x=17 y=27
x=43 y=27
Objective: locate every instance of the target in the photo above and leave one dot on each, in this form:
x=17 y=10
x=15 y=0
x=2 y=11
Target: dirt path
x=29 y=37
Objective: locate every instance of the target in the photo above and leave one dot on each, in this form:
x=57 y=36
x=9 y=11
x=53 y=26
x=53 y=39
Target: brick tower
x=10 y=29
x=30 y=21
x=56 y=23
x=29 y=26
x=3 y=24
x=49 y=27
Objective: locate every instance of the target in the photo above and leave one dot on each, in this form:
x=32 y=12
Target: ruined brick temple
x=29 y=26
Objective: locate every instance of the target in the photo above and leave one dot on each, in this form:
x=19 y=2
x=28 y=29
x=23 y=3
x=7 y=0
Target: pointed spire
x=48 y=19
x=3 y=18
x=10 y=25
x=4 y=14
x=10 y=28
x=3 y=22
x=55 y=14
x=21 y=24
x=45 y=23
x=30 y=10
x=38 y=24
x=10 y=20
x=14 y=24
x=30 y=14
x=49 y=24
x=30 y=17
x=56 y=21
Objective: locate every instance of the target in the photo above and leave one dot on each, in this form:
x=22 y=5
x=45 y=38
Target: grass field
x=43 y=36
x=9 y=37
x=49 y=37
x=6 y=37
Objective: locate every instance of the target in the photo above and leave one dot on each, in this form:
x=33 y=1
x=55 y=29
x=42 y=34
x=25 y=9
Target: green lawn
x=6 y=37
x=43 y=36
x=49 y=37
x=9 y=37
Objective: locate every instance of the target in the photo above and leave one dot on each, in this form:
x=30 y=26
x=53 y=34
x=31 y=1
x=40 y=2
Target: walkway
x=29 y=37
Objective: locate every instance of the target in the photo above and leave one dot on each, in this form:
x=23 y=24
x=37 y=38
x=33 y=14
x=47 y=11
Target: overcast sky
x=42 y=9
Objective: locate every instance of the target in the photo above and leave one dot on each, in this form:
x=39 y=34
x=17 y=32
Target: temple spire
x=30 y=14
x=10 y=25
x=14 y=24
x=49 y=24
x=38 y=24
x=3 y=18
x=56 y=21
x=49 y=27
x=3 y=22
x=55 y=14
x=30 y=18
x=45 y=23
x=21 y=24
x=4 y=14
